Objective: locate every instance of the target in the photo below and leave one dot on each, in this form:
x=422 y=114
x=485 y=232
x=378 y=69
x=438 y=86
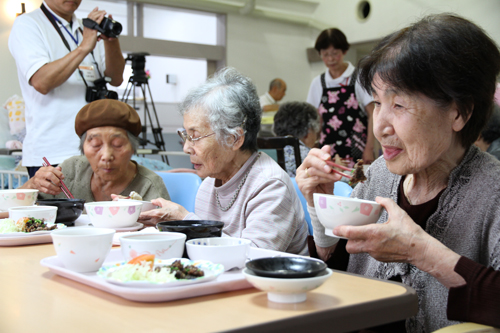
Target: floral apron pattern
x=344 y=123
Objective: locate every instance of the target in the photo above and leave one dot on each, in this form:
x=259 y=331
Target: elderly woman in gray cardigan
x=244 y=188
x=433 y=86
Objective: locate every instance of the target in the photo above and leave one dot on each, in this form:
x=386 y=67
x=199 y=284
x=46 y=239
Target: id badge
x=88 y=71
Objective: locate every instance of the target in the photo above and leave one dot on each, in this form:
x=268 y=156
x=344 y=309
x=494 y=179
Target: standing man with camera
x=58 y=59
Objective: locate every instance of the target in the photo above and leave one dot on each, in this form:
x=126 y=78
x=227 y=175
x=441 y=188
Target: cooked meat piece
x=358 y=174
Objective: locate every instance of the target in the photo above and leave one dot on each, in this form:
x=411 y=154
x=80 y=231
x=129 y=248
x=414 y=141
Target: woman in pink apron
x=344 y=106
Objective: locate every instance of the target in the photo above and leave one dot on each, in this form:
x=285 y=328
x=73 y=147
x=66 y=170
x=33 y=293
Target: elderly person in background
x=433 y=86
x=301 y=120
x=108 y=131
x=489 y=140
x=245 y=189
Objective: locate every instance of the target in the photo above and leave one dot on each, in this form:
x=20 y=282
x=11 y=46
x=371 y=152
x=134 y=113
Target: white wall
x=264 y=50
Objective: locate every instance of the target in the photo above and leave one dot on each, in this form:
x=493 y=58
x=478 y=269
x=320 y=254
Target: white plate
x=211 y=270
x=135 y=227
x=25 y=238
x=84 y=220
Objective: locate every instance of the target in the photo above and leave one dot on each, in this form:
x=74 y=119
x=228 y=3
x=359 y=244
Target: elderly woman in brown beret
x=108 y=131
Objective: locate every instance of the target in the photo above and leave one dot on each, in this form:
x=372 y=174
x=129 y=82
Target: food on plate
x=148 y=258
x=135 y=196
x=141 y=269
x=25 y=224
x=8 y=225
x=358 y=175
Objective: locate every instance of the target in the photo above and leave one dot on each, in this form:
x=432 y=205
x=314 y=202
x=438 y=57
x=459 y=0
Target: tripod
x=139 y=79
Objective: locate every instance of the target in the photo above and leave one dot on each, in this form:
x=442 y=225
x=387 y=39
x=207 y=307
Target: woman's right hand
x=46 y=180
x=169 y=211
x=315 y=176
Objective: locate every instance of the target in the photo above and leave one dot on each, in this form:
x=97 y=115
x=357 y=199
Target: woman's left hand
x=169 y=211
x=400 y=239
x=392 y=241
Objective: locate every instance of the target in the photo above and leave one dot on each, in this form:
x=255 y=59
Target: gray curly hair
x=231 y=102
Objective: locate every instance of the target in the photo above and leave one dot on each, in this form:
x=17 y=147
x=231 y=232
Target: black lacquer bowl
x=68 y=210
x=193 y=228
x=286 y=267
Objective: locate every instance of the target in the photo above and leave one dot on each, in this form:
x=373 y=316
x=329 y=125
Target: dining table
x=34 y=299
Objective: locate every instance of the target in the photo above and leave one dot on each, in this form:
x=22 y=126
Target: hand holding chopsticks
x=63 y=186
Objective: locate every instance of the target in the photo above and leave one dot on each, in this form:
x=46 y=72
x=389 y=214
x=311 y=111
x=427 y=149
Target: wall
x=265 y=49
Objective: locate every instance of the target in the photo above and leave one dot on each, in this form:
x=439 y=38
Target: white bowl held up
x=46 y=213
x=333 y=211
x=113 y=214
x=146 y=205
x=164 y=245
x=82 y=249
x=228 y=251
x=16 y=198
x=286 y=290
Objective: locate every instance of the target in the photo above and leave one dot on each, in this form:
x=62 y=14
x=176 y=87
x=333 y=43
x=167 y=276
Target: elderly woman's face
x=108 y=150
x=414 y=132
x=209 y=158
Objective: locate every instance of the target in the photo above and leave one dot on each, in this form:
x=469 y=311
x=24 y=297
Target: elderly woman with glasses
x=244 y=188
x=108 y=131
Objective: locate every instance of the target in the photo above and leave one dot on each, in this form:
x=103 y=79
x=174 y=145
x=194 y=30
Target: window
x=180 y=25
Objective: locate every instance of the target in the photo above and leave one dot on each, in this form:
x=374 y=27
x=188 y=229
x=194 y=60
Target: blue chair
x=182 y=187
x=342 y=189
x=304 y=206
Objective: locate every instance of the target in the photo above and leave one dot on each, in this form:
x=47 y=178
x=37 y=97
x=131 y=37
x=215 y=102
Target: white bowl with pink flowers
x=333 y=211
x=16 y=198
x=113 y=214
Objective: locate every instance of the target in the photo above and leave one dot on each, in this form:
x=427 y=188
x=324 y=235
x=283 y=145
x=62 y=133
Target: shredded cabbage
x=8 y=225
x=141 y=272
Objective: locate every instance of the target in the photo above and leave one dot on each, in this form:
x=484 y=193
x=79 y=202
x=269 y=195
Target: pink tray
x=232 y=280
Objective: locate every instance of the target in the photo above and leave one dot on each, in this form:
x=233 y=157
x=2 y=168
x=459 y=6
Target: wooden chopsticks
x=63 y=186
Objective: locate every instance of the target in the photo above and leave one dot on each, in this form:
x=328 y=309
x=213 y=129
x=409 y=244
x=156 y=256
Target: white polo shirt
x=50 y=118
x=316 y=90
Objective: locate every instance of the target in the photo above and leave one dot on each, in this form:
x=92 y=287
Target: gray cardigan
x=467 y=221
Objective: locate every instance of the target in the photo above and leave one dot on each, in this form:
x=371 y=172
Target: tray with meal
x=25 y=231
x=115 y=277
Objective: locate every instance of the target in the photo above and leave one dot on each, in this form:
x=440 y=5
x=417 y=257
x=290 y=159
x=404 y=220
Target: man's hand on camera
x=89 y=35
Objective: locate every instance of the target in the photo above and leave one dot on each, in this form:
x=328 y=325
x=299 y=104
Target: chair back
x=304 y=205
x=279 y=143
x=182 y=188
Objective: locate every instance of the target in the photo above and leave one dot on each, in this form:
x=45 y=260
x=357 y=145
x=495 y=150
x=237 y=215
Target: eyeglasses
x=334 y=54
x=186 y=137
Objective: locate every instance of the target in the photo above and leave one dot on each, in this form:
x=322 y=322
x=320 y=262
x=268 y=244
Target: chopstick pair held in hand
x=63 y=186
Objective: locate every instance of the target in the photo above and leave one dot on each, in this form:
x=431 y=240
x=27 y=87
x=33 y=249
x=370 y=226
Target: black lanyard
x=52 y=20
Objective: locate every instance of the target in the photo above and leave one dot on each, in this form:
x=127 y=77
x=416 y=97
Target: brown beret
x=107 y=112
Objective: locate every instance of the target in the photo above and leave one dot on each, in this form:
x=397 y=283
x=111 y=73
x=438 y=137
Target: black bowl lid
x=190 y=224
x=286 y=267
x=61 y=200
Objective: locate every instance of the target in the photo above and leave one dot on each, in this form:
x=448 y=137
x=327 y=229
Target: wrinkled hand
x=168 y=211
x=90 y=35
x=319 y=177
x=47 y=180
x=393 y=241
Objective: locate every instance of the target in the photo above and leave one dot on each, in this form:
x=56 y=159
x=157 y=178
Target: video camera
x=108 y=27
x=99 y=90
x=138 y=66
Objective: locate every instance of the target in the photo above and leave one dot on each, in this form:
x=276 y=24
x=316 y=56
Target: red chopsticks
x=333 y=164
x=63 y=186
